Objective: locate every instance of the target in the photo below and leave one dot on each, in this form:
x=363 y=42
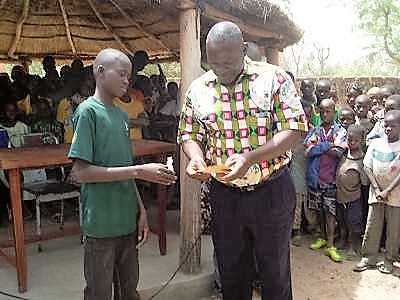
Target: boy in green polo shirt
x=102 y=156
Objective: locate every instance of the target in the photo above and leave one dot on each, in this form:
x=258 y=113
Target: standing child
x=362 y=106
x=298 y=172
x=347 y=117
x=391 y=103
x=349 y=179
x=102 y=156
x=352 y=92
x=325 y=145
x=382 y=166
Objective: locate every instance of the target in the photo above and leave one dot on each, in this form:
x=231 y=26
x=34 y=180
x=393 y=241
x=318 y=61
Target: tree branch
x=386 y=35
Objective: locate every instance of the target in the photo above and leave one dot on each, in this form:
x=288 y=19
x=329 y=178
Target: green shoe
x=334 y=254
x=318 y=244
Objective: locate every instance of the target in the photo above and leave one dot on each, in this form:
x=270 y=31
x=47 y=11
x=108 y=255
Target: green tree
x=381 y=18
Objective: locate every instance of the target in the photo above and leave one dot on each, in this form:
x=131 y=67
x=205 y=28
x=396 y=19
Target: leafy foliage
x=381 y=18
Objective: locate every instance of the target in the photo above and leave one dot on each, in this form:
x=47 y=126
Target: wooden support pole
x=18 y=30
x=272 y=55
x=109 y=28
x=67 y=29
x=190 y=58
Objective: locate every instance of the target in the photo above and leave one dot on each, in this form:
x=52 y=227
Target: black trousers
x=248 y=222
x=108 y=262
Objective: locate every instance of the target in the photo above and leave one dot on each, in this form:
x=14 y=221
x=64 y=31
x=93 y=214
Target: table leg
x=18 y=226
x=162 y=207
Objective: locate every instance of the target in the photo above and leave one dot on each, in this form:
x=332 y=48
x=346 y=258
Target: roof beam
x=67 y=29
x=218 y=15
x=139 y=27
x=18 y=30
x=109 y=28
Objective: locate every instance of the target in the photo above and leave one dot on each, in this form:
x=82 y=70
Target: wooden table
x=17 y=160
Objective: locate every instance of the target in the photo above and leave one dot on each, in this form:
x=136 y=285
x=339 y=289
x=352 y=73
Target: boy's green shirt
x=101 y=138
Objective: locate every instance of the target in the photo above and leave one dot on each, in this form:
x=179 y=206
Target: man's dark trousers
x=247 y=222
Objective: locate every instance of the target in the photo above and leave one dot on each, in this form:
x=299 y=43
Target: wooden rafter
x=109 y=28
x=18 y=30
x=67 y=29
x=139 y=27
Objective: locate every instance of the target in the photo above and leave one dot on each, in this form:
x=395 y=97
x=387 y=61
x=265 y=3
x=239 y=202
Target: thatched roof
x=70 y=28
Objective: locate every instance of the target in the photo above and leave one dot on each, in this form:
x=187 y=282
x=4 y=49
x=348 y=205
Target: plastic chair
x=39 y=188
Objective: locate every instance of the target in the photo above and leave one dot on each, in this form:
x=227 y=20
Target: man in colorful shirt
x=245 y=116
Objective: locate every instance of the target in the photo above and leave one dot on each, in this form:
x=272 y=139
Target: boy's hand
x=157 y=173
x=143 y=229
x=195 y=169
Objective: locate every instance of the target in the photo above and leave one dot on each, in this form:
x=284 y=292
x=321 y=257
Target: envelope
x=218 y=169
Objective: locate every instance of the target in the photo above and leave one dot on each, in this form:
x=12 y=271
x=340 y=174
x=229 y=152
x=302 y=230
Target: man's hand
x=157 y=173
x=382 y=196
x=195 y=169
x=239 y=164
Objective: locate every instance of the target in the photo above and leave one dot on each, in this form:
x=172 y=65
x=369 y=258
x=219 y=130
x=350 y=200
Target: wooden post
x=272 y=55
x=190 y=58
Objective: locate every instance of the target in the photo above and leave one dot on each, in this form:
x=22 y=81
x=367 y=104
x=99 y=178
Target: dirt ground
x=316 y=277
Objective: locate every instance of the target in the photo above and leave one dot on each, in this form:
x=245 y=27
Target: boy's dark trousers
x=108 y=261
x=259 y=221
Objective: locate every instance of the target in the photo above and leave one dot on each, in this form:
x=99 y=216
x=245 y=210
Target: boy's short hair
x=394 y=114
x=356 y=130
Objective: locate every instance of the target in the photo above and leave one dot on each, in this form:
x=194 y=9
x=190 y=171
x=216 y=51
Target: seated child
x=347 y=117
x=325 y=145
x=382 y=166
x=133 y=104
x=349 y=178
x=15 y=129
x=68 y=105
x=45 y=122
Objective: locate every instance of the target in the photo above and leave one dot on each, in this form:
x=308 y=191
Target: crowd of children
x=46 y=105
x=346 y=172
x=30 y=103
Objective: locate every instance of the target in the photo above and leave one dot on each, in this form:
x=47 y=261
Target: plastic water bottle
x=170 y=164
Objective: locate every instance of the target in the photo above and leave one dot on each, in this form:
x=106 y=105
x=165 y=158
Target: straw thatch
x=70 y=28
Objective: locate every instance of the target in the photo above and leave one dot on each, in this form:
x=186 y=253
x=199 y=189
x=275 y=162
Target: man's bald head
x=225 y=32
x=107 y=58
x=225 y=51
